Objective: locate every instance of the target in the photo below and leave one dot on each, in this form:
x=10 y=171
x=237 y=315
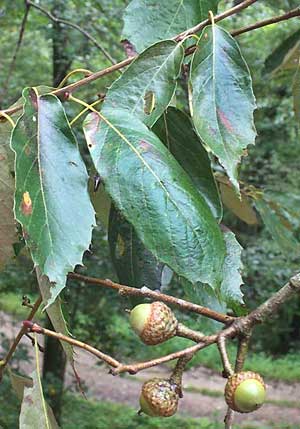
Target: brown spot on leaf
x=26 y=205
x=225 y=121
x=145 y=146
x=2 y=158
x=129 y=48
x=27 y=150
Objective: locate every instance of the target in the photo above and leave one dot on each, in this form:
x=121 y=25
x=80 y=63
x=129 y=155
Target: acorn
x=159 y=397
x=153 y=323
x=245 y=392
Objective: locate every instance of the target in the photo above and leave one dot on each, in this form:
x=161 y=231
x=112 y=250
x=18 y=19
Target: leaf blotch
x=225 y=121
x=145 y=146
x=26 y=204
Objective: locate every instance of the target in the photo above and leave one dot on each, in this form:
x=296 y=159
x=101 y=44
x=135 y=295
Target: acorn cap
x=159 y=398
x=154 y=323
x=245 y=392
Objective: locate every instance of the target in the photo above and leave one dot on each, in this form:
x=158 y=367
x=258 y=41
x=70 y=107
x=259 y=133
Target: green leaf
x=277 y=227
x=241 y=207
x=232 y=280
x=101 y=203
x=229 y=295
x=35 y=412
x=283 y=55
x=55 y=314
x=222 y=100
x=175 y=130
x=156 y=196
x=147 y=86
x=51 y=200
x=135 y=265
x=146 y=22
x=18 y=383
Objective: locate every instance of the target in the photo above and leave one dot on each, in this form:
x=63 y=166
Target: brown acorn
x=159 y=397
x=154 y=323
x=245 y=392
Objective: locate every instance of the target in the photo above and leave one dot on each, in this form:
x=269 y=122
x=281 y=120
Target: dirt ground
x=195 y=403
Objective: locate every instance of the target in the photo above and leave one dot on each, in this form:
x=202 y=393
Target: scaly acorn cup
x=159 y=397
x=245 y=392
x=154 y=323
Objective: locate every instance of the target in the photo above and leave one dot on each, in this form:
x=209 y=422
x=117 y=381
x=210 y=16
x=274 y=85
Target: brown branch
x=75 y=26
x=140 y=366
x=288 y=15
x=269 y=307
x=185 y=332
x=240 y=326
x=217 y=18
x=22 y=332
x=228 y=420
x=221 y=342
x=34 y=327
x=148 y=293
x=242 y=350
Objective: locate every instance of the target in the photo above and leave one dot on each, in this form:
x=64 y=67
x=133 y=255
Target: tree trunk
x=54 y=372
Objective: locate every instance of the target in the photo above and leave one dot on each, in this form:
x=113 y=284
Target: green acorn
x=245 y=392
x=154 y=323
x=159 y=397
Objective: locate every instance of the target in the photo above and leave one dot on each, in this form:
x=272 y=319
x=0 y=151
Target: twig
x=242 y=350
x=22 y=331
x=74 y=86
x=221 y=342
x=41 y=348
x=34 y=327
x=228 y=420
x=288 y=15
x=269 y=307
x=217 y=18
x=185 y=332
x=77 y=27
x=148 y=293
x=140 y=366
